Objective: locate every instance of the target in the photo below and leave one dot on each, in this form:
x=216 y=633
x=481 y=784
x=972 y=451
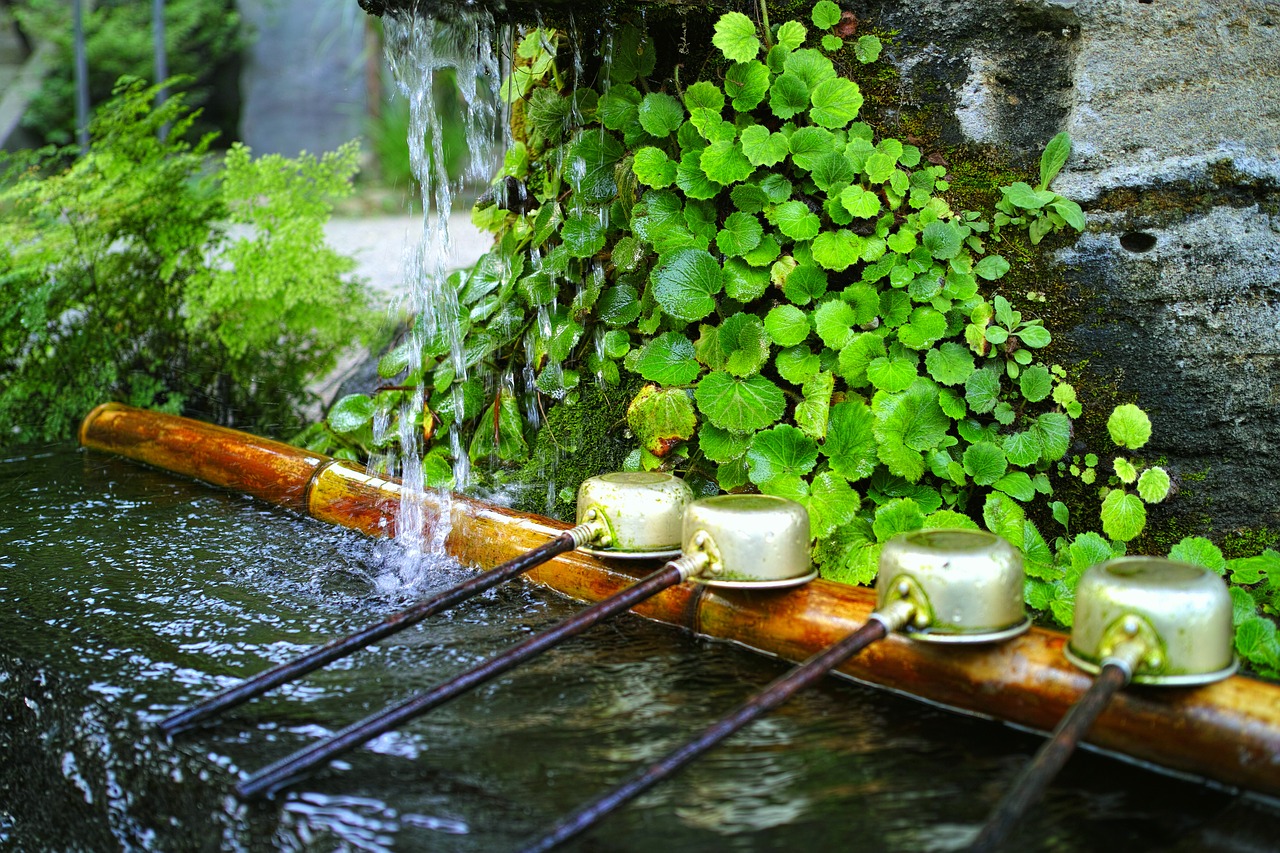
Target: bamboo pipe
x=1228 y=732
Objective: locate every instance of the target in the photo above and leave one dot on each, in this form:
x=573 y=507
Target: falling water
x=417 y=49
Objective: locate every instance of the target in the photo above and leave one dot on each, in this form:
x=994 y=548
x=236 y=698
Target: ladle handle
x=303 y=761
x=344 y=646
x=778 y=692
x=1031 y=783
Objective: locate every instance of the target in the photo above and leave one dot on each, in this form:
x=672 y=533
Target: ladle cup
x=951 y=586
x=635 y=515
x=1137 y=619
x=774 y=519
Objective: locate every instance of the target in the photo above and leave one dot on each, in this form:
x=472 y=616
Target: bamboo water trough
x=1226 y=733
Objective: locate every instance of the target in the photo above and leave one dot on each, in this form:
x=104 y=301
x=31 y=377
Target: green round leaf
x=741 y=234
x=892 y=373
x=1153 y=485
x=780 y=452
x=837 y=250
x=616 y=343
x=787 y=325
x=704 y=95
x=591 y=161
x=743 y=282
x=942 y=239
x=810 y=66
x=1035 y=383
x=633 y=55
x=1017 y=485
x=832 y=503
x=1124 y=469
x=350 y=413
x=1053 y=431
x=619 y=305
x=720 y=445
x=724 y=163
x=764 y=254
x=691 y=178
x=950 y=363
x=686 y=282
x=850 y=445
x=867 y=49
x=991 y=267
x=1199 y=551
x=661 y=418
x=1129 y=426
x=832 y=43
x=810 y=144
x=735 y=35
x=617 y=107
x=583 y=235
x=1021 y=448
x=807 y=283
x=825 y=14
x=652 y=167
x=900 y=515
x=791 y=35
x=745 y=344
x=741 y=405
x=797 y=365
x=776 y=187
x=749 y=198
x=925 y=327
x=668 y=360
x=982 y=390
x=763 y=148
x=660 y=114
x=985 y=463
x=832 y=172
x=834 y=321
x=788 y=96
x=795 y=220
x=860 y=202
x=746 y=84
x=835 y=102
x=1123 y=515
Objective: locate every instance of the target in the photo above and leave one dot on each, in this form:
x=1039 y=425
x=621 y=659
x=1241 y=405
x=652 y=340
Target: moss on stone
x=583 y=435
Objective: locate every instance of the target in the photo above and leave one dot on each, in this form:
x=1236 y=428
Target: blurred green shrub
x=149 y=273
x=203 y=39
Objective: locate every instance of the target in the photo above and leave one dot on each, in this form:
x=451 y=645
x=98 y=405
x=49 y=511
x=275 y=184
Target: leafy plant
x=803 y=309
x=1038 y=208
x=120 y=279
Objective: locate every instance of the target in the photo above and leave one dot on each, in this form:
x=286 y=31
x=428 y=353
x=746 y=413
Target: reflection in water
x=125 y=595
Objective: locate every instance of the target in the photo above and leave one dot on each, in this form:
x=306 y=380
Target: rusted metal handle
x=778 y=692
x=302 y=762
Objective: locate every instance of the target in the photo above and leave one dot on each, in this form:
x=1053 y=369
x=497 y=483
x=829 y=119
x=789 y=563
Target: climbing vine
x=805 y=311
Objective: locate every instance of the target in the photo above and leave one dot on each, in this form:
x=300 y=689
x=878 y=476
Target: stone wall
x=1173 y=107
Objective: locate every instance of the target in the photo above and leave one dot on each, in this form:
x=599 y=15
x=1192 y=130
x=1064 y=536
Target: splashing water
x=419 y=48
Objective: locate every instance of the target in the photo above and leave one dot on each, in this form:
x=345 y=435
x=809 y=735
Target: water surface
x=126 y=593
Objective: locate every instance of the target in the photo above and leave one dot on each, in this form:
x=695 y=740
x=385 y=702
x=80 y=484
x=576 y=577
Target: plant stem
x=764 y=19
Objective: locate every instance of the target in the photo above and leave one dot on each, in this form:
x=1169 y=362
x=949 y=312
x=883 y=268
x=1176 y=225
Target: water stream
x=126 y=593
x=418 y=50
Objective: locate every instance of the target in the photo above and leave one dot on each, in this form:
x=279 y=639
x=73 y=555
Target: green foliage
x=203 y=40
x=812 y=316
x=1040 y=210
x=120 y=279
